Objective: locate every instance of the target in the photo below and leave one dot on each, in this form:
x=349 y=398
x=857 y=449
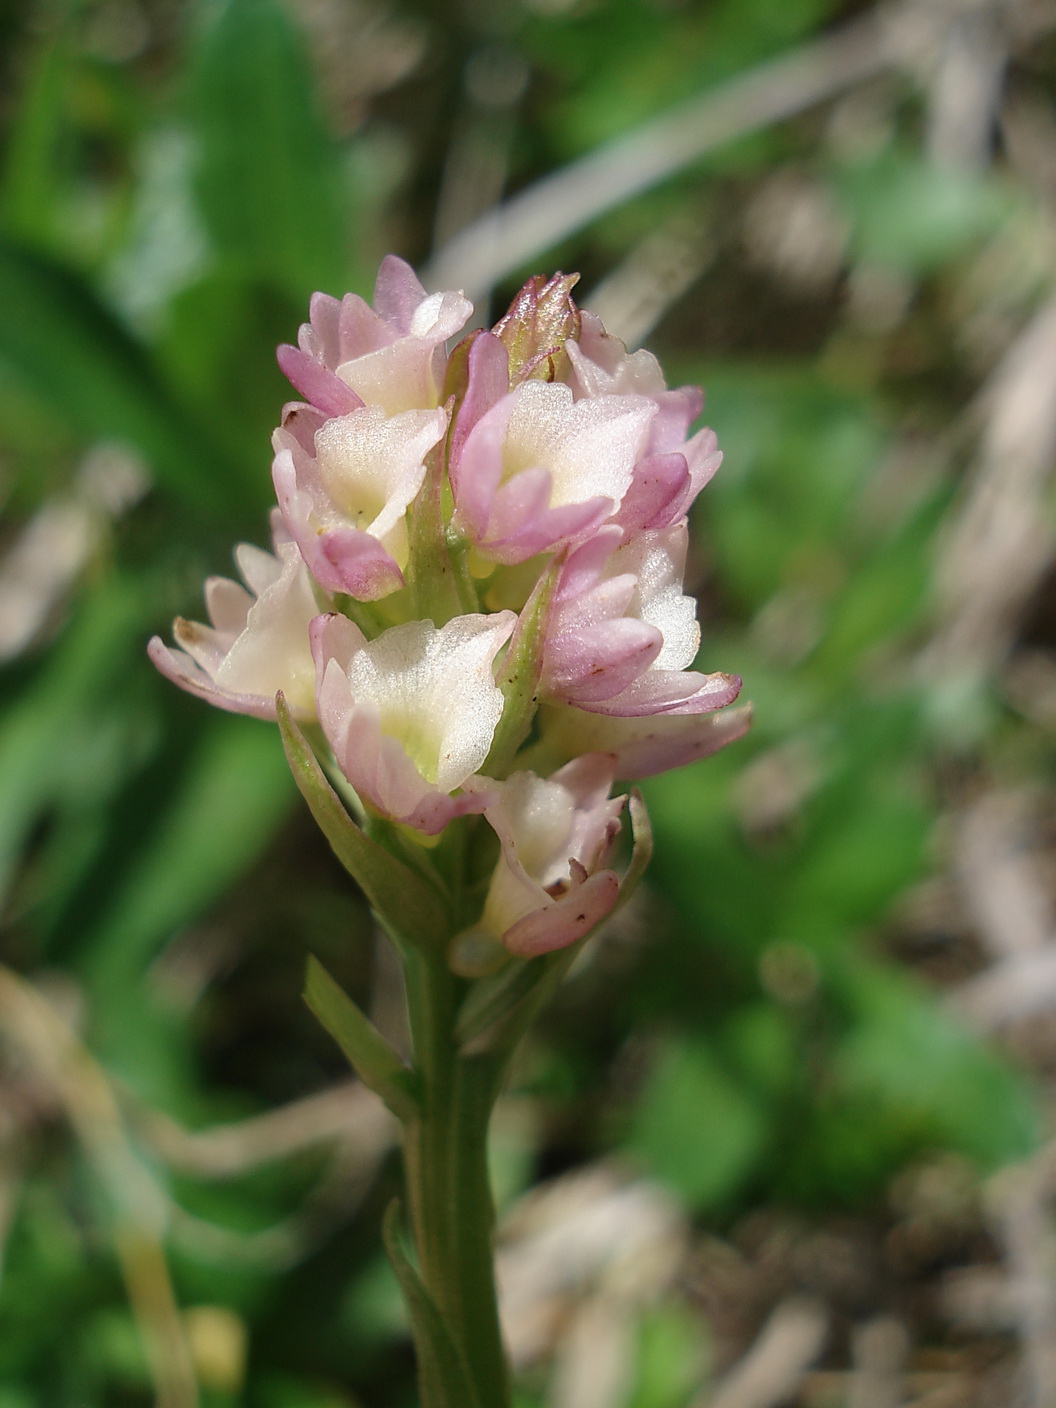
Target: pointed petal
x=567 y=919
x=644 y=747
x=316 y=383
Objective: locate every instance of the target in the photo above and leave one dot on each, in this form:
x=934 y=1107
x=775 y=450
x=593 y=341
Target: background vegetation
x=786 y=1132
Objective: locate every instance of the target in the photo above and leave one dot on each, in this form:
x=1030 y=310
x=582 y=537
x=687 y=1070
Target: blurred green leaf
x=920 y=1061
x=618 y=47
x=913 y=215
x=887 y=594
x=271 y=183
x=703 y=863
x=696 y=1126
x=797 y=454
x=28 y=187
x=58 y=336
x=37 y=762
x=672 y=1352
x=217 y=345
x=373 y=1308
x=866 y=828
x=234 y=791
x=762 y=1043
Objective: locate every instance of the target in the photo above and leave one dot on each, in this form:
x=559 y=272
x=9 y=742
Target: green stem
x=448 y=1188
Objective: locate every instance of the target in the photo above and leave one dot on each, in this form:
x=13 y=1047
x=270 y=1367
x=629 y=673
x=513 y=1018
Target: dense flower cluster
x=476 y=583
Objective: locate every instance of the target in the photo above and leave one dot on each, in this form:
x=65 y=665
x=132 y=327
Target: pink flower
x=258 y=641
x=622 y=633
x=411 y=715
x=536 y=469
x=344 y=485
x=552 y=884
x=554 y=478
x=643 y=746
x=390 y=356
x=672 y=470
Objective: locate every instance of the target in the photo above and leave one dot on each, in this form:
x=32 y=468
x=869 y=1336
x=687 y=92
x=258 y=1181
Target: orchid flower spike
x=478 y=571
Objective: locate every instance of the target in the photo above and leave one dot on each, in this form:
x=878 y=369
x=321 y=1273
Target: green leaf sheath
x=449 y=1192
x=443 y=1375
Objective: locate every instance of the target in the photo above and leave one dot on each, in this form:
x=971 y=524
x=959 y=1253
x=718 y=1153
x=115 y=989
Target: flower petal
x=411 y=714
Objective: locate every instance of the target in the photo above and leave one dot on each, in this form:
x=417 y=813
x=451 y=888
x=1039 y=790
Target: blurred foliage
x=177 y=179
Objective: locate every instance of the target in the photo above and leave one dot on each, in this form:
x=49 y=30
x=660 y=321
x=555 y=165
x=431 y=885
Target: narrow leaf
x=36 y=152
x=403 y=901
x=443 y=1375
x=271 y=180
x=59 y=339
x=376 y=1063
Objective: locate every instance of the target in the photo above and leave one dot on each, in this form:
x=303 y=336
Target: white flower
x=258 y=641
x=412 y=714
x=344 y=485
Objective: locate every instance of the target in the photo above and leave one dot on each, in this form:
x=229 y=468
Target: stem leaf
x=404 y=902
x=440 y=583
x=519 y=676
x=444 y=1377
x=499 y=1008
x=376 y=1063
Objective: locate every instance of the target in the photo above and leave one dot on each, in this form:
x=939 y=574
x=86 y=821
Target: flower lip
x=622 y=632
x=538 y=469
x=345 y=500
x=646 y=745
x=411 y=714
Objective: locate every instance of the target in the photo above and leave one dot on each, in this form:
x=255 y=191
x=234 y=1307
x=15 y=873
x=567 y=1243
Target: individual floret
x=390 y=356
x=552 y=883
x=257 y=642
x=411 y=714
